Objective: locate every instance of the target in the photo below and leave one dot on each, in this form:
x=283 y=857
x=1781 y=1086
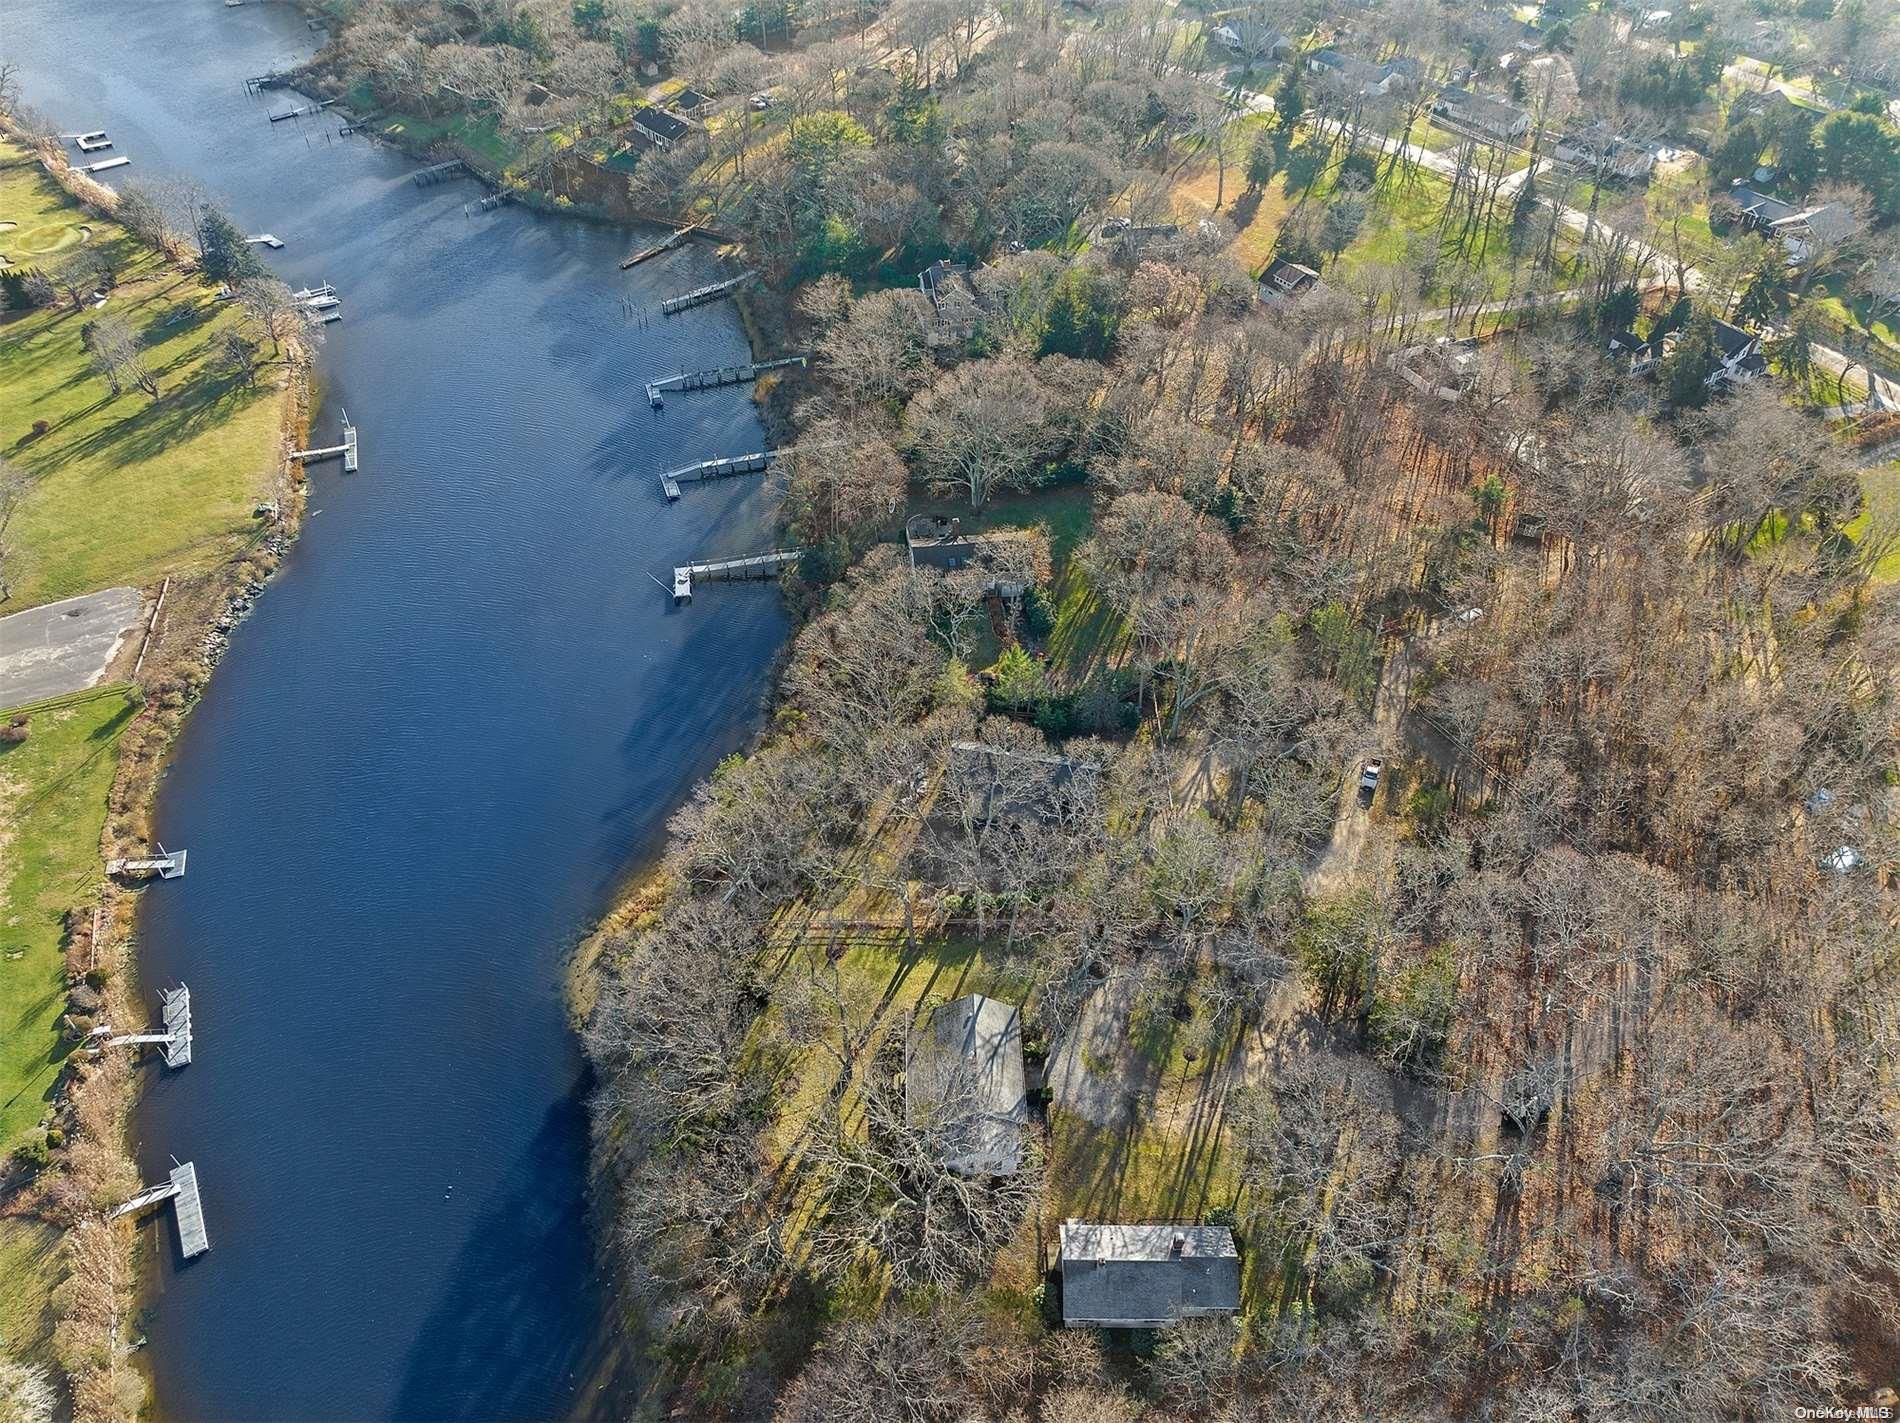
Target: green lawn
x=1881 y=490
x=53 y=789
x=126 y=489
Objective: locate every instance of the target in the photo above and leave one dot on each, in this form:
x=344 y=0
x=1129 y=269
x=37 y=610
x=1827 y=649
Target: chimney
x=1180 y=1243
x=956 y=527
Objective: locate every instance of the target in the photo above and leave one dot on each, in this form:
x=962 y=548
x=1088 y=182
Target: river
x=456 y=715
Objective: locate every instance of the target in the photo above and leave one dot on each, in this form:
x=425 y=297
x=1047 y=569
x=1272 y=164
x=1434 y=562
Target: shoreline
x=187 y=630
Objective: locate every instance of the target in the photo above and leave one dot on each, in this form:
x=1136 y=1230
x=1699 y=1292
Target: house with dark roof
x=660 y=128
x=1481 y=115
x=1738 y=351
x=1758 y=209
x=965 y=1058
x=1282 y=280
x=1146 y=1276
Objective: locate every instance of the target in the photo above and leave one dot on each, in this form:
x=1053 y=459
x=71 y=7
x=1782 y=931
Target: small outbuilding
x=1282 y=280
x=1146 y=1276
x=966 y=1057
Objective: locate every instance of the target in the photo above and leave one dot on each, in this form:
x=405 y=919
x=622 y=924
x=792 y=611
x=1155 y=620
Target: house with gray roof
x=966 y=1058
x=1481 y=115
x=1146 y=1276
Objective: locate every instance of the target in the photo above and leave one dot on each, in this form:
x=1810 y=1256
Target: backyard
x=125 y=488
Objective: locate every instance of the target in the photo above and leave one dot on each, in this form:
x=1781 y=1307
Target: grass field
x=1881 y=489
x=30 y=1265
x=53 y=789
x=125 y=489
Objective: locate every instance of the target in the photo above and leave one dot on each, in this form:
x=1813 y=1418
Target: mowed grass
x=125 y=489
x=1880 y=489
x=53 y=789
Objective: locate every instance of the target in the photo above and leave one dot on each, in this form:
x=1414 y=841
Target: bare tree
x=982 y=428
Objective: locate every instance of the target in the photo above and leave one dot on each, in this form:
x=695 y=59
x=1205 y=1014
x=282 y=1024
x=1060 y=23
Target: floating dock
x=166 y=864
x=666 y=244
x=713 y=469
x=266 y=239
x=276 y=79
x=302 y=112
x=439 y=173
x=706 y=380
x=699 y=296
x=104 y=164
x=347 y=449
x=94 y=142
x=758 y=565
x=174 y=1038
x=181 y=1189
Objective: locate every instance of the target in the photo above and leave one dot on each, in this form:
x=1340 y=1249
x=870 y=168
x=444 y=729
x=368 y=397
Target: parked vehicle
x=1369 y=780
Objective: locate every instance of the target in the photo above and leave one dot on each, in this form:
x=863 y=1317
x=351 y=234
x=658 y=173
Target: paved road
x=1885 y=392
x=63 y=647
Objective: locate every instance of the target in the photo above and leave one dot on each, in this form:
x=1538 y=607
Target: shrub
x=55 y=1138
x=16 y=730
x=32 y=1155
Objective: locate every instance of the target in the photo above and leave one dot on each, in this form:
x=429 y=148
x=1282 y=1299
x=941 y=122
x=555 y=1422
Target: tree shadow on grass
x=176 y=416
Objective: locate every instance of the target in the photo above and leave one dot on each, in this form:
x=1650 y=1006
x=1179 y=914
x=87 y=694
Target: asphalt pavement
x=65 y=646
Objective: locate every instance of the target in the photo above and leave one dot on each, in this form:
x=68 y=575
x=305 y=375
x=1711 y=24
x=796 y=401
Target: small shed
x=967 y=1056
x=1147 y=1276
x=1282 y=280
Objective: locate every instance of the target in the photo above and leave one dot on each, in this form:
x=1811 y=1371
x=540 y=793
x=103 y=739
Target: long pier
x=103 y=164
x=302 y=112
x=438 y=173
x=166 y=864
x=758 y=565
x=713 y=469
x=665 y=244
x=347 y=449
x=724 y=375
x=181 y=1189
x=699 y=296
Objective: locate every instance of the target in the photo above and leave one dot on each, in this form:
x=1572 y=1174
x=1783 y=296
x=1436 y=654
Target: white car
x=1369 y=780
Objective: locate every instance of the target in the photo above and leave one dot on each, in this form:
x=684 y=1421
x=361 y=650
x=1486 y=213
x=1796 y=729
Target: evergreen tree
x=1691 y=361
x=224 y=255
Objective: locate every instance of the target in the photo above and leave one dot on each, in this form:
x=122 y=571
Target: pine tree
x=225 y=256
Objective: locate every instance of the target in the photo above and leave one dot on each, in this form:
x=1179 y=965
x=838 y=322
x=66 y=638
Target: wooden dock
x=753 y=463
x=699 y=296
x=181 y=1189
x=724 y=375
x=276 y=79
x=758 y=565
x=93 y=142
x=166 y=864
x=439 y=173
x=266 y=239
x=103 y=164
x=665 y=244
x=347 y=449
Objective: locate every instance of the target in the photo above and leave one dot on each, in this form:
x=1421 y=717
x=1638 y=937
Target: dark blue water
x=456 y=714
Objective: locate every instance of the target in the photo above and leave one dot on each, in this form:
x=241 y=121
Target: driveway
x=63 y=647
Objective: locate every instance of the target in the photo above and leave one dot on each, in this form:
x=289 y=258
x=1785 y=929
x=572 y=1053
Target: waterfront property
x=1146 y=1276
